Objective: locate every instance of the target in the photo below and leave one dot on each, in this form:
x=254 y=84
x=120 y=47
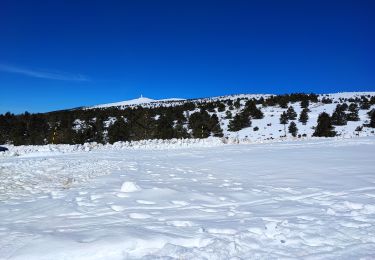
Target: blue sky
x=62 y=54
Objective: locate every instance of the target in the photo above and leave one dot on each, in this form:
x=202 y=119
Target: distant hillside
x=256 y=118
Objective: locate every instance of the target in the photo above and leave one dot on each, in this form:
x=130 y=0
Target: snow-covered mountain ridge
x=138 y=101
x=149 y=102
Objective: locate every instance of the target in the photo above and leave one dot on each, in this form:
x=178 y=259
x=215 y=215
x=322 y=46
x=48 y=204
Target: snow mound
x=129 y=186
x=154 y=144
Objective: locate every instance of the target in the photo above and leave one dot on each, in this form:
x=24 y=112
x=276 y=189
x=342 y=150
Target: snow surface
x=311 y=199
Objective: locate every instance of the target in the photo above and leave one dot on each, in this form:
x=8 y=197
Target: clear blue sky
x=61 y=54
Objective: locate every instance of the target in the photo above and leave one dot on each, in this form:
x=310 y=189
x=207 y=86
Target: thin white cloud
x=44 y=74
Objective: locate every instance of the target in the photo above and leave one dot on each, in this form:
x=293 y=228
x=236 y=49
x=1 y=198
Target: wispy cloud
x=43 y=74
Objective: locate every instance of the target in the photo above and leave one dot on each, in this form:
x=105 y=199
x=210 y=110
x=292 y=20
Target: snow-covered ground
x=311 y=199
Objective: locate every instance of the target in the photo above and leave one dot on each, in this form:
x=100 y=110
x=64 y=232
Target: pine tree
x=324 y=127
x=284 y=120
x=119 y=131
x=305 y=103
x=237 y=103
x=292 y=115
x=97 y=129
x=164 y=127
x=228 y=115
x=221 y=107
x=339 y=116
x=372 y=118
x=18 y=133
x=293 y=129
x=180 y=131
x=365 y=105
x=239 y=121
x=353 y=113
x=215 y=126
x=283 y=102
x=252 y=110
x=199 y=123
x=304 y=117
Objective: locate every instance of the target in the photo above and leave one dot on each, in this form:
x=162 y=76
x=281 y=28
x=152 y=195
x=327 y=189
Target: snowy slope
x=302 y=200
x=269 y=127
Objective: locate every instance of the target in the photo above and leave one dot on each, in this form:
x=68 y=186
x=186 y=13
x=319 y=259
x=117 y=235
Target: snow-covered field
x=312 y=199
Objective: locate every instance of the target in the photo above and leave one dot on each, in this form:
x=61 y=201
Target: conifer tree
x=304 y=117
x=372 y=118
x=180 y=131
x=292 y=115
x=365 y=105
x=293 y=129
x=119 y=131
x=283 y=102
x=252 y=110
x=237 y=103
x=353 y=113
x=284 y=120
x=339 y=116
x=239 y=121
x=215 y=126
x=305 y=103
x=164 y=127
x=221 y=107
x=199 y=123
x=228 y=115
x=324 y=127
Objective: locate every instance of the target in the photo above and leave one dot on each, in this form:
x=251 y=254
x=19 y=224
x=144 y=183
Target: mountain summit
x=137 y=101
